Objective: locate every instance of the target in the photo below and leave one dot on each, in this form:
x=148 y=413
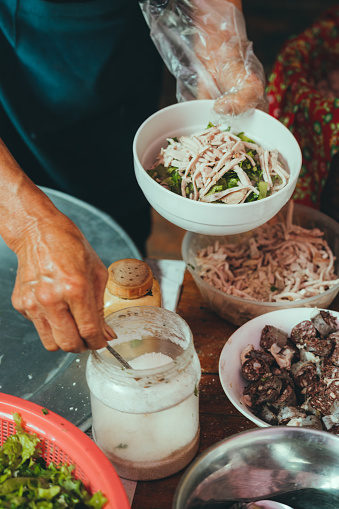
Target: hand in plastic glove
x=227 y=56
x=204 y=45
x=60 y=280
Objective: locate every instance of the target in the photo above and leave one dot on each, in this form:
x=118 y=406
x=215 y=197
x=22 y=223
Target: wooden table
x=218 y=417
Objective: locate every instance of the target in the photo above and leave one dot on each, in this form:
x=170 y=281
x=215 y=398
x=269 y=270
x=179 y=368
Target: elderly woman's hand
x=60 y=285
x=60 y=280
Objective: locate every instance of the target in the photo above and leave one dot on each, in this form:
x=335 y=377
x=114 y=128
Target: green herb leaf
x=169 y=176
x=262 y=186
x=27 y=482
x=244 y=138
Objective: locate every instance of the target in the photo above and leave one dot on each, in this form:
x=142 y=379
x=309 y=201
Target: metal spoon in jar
x=118 y=357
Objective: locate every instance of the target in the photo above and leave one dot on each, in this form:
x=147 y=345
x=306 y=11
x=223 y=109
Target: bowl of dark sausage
x=282 y=368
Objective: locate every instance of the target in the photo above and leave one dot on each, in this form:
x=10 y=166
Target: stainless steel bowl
x=296 y=466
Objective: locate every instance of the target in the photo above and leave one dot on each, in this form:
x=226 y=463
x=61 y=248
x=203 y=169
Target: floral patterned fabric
x=295 y=100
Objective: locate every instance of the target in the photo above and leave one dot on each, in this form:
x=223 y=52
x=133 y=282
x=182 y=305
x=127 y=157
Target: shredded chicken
x=280 y=262
x=204 y=158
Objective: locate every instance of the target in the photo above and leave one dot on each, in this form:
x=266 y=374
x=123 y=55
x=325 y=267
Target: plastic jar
x=130 y=283
x=146 y=420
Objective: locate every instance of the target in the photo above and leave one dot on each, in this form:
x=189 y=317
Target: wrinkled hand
x=60 y=285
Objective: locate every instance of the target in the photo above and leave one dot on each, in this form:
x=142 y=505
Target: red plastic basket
x=63 y=442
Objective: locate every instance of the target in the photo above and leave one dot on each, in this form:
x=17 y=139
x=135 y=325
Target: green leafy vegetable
x=26 y=482
x=244 y=138
x=232 y=182
x=172 y=178
x=169 y=176
x=189 y=189
x=262 y=186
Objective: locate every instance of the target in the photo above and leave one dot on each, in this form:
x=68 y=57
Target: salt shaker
x=146 y=420
x=130 y=283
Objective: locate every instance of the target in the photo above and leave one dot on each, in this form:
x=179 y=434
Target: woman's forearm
x=22 y=203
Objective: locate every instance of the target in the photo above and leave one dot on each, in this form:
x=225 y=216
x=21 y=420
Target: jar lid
x=129 y=278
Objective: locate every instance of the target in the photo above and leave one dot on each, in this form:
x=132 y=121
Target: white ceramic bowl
x=238 y=310
x=211 y=218
x=230 y=374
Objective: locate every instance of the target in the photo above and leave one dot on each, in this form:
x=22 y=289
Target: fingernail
x=110 y=332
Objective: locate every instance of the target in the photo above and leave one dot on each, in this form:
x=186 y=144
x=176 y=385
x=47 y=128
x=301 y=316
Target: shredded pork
x=202 y=159
x=279 y=262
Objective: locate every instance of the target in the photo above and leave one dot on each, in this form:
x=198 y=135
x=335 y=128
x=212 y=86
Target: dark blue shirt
x=77 y=79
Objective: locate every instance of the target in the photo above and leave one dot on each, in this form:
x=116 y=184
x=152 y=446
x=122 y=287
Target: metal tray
x=55 y=380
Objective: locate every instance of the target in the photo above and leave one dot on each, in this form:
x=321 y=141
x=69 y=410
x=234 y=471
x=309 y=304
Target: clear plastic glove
x=60 y=285
x=204 y=45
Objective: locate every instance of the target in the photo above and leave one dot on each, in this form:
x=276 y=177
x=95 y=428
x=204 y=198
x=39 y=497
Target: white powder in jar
x=150 y=360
